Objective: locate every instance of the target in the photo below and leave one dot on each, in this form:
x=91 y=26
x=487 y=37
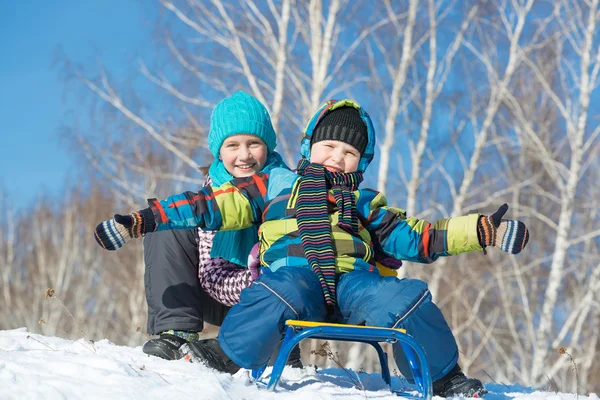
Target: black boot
x=294 y=360
x=209 y=352
x=165 y=346
x=455 y=383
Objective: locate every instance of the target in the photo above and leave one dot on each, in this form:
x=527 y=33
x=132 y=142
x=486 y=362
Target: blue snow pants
x=253 y=328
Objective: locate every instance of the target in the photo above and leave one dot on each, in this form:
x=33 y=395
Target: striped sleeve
x=234 y=205
x=412 y=239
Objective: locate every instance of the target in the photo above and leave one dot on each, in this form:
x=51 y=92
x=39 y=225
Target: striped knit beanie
x=239 y=114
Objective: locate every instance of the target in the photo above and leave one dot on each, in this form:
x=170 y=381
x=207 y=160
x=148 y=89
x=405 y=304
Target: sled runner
x=297 y=331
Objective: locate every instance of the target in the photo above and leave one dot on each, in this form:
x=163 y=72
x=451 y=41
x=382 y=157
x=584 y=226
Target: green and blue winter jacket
x=269 y=200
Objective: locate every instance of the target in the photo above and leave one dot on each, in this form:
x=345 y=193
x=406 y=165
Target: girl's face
x=336 y=156
x=243 y=155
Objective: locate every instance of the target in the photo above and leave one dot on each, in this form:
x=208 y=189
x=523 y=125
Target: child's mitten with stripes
x=114 y=233
x=510 y=236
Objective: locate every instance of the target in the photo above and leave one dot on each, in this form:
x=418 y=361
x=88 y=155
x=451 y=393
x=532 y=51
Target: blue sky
x=33 y=159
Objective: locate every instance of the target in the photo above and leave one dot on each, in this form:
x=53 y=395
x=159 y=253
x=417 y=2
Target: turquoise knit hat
x=240 y=114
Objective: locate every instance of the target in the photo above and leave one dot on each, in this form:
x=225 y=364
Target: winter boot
x=455 y=383
x=294 y=360
x=208 y=352
x=167 y=343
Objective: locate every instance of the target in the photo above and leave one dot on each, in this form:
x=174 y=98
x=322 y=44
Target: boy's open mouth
x=333 y=169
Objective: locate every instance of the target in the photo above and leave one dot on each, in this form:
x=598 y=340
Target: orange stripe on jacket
x=425 y=237
x=163 y=216
x=257 y=181
x=260 y=184
x=201 y=196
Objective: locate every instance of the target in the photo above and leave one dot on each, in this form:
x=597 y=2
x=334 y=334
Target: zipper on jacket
x=263 y=245
x=293 y=195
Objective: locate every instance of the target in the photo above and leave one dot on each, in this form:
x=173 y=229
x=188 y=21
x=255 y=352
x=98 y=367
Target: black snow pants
x=174 y=295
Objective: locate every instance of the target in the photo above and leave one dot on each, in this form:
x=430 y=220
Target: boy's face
x=336 y=156
x=243 y=155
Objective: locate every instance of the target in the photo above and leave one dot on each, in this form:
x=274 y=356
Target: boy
x=318 y=236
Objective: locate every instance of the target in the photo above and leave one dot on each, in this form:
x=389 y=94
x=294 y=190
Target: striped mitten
x=510 y=236
x=114 y=233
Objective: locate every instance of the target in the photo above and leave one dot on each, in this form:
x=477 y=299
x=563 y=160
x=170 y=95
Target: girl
x=195 y=276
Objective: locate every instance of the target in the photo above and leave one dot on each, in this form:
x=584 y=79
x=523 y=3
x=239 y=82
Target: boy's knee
x=379 y=300
x=298 y=288
x=259 y=317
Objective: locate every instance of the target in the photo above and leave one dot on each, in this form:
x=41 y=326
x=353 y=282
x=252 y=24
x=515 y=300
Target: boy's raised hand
x=510 y=236
x=114 y=233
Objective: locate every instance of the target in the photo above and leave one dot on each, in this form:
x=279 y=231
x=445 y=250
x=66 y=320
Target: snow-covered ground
x=33 y=366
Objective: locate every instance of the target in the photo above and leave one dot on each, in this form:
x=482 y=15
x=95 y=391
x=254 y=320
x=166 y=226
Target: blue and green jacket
x=269 y=200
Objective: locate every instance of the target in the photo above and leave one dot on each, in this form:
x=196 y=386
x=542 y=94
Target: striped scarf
x=313 y=219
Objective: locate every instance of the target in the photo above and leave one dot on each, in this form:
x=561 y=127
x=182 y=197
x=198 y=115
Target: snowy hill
x=39 y=367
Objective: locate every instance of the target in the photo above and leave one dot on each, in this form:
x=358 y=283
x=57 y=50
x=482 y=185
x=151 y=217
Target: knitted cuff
x=135 y=230
x=138 y=223
x=148 y=223
x=486 y=231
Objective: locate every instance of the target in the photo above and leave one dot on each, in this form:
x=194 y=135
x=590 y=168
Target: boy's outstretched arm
x=421 y=241
x=234 y=205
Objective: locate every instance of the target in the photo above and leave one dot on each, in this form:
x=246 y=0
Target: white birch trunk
x=395 y=98
x=567 y=202
x=496 y=98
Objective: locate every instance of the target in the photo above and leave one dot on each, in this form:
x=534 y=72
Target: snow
x=34 y=366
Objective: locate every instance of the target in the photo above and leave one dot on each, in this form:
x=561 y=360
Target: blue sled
x=297 y=331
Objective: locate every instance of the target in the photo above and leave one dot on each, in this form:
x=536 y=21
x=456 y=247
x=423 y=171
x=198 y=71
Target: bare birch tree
x=578 y=71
